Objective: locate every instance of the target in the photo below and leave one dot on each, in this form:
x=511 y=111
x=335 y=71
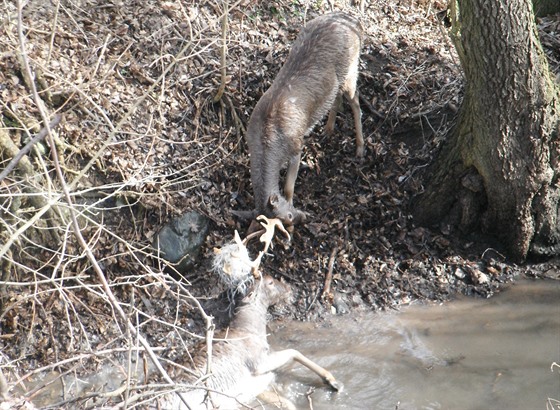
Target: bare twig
x=116 y=128
x=77 y=232
x=36 y=197
x=3 y=387
x=53 y=33
x=209 y=338
x=222 y=87
x=17 y=158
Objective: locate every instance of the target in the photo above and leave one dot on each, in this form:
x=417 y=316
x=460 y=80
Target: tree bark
x=499 y=169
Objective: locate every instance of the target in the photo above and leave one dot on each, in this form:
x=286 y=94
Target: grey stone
x=340 y=305
x=180 y=240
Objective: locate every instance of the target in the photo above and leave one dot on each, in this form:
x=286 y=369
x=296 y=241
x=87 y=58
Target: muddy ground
x=141 y=141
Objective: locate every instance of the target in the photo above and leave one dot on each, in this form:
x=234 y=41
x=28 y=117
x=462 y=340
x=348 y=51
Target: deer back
x=322 y=58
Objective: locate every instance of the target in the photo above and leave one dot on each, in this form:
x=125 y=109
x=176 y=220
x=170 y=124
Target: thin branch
x=77 y=232
x=3 y=387
x=53 y=33
x=222 y=87
x=17 y=158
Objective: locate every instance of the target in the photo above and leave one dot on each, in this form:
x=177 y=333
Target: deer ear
x=273 y=200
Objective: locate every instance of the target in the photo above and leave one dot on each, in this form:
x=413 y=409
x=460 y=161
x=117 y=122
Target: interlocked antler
x=232 y=262
x=269 y=226
x=266 y=237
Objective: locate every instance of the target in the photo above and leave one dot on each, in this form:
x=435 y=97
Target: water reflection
x=466 y=354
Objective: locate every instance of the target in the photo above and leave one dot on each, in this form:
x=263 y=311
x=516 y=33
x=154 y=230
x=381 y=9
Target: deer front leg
x=291 y=175
x=329 y=127
x=354 y=101
x=275 y=360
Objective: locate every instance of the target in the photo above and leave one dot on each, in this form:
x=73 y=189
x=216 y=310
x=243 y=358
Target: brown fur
x=321 y=67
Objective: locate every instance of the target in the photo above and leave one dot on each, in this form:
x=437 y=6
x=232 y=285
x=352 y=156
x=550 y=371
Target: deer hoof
x=334 y=384
x=360 y=151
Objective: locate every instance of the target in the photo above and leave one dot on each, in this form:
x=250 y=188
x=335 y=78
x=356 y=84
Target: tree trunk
x=499 y=169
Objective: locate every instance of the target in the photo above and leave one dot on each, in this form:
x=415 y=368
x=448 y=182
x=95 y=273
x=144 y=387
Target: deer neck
x=267 y=158
x=251 y=318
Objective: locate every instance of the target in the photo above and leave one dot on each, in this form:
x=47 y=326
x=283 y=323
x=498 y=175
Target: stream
x=495 y=353
x=466 y=354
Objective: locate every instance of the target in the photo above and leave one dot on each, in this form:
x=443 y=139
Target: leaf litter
x=142 y=141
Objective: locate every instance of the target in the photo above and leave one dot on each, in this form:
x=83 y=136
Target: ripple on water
x=467 y=354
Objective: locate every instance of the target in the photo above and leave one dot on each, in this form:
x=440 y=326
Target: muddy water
x=466 y=354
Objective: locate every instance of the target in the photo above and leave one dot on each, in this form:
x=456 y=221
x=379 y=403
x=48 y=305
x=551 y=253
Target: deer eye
x=290 y=216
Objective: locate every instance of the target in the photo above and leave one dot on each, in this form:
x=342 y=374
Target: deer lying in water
x=321 y=67
x=242 y=364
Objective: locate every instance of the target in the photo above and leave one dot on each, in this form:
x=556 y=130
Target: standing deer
x=242 y=365
x=321 y=67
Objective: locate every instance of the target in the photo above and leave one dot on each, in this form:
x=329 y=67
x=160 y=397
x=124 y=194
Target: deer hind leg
x=291 y=175
x=329 y=127
x=275 y=360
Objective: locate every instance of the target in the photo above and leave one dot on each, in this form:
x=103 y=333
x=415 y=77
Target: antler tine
x=266 y=237
x=238 y=240
x=255 y=266
x=252 y=235
x=280 y=226
x=269 y=226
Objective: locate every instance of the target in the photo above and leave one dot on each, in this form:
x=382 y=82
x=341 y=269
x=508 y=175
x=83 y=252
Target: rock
x=460 y=273
x=180 y=240
x=479 y=278
x=340 y=305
